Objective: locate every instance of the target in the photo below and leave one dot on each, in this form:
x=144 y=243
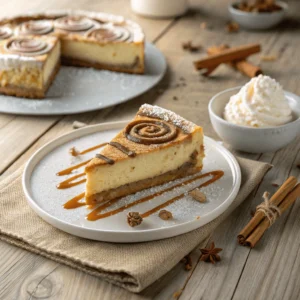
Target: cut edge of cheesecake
x=43 y=67
x=152 y=164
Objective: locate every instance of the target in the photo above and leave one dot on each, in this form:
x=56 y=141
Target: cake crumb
x=77 y=125
x=165 y=215
x=198 y=195
x=203 y=25
x=134 y=219
x=187 y=261
x=73 y=151
x=160 y=91
x=232 y=27
x=177 y=294
x=188 y=46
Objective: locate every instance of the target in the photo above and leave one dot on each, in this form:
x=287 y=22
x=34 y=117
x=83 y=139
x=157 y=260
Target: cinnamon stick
x=228 y=55
x=276 y=199
x=243 y=66
x=259 y=231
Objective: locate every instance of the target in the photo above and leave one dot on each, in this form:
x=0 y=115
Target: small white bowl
x=159 y=8
x=249 y=139
x=255 y=20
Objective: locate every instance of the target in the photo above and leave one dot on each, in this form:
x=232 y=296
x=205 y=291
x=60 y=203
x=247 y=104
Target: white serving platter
x=78 y=90
x=40 y=180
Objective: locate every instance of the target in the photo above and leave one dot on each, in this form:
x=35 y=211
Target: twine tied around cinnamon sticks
x=269 y=211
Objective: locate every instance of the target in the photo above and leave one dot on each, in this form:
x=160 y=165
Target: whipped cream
x=259 y=103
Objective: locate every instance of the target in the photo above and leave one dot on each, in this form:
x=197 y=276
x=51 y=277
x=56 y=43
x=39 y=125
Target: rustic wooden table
x=271 y=270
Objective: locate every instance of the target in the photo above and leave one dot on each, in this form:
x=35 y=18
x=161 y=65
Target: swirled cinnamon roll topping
x=5 y=32
x=74 y=23
x=166 y=115
x=39 y=27
x=150 y=132
x=111 y=34
x=27 y=46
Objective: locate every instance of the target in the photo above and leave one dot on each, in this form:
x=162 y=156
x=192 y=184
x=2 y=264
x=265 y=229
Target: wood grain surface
x=271 y=270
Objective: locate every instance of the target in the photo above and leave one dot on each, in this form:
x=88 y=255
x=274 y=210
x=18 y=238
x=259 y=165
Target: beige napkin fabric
x=131 y=266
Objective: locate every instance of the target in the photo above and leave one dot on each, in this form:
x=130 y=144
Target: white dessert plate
x=78 y=90
x=40 y=180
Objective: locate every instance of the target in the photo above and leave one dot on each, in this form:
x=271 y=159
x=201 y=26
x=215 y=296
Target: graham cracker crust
x=30 y=93
x=136 y=68
x=186 y=169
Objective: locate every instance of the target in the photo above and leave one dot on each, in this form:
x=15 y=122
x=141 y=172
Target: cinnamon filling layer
x=186 y=169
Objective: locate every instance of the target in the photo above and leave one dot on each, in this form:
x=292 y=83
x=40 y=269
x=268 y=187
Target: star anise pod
x=134 y=219
x=211 y=254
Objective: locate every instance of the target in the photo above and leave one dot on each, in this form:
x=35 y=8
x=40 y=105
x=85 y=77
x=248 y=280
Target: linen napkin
x=131 y=266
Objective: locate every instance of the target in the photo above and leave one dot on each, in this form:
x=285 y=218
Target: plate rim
x=85 y=110
x=84 y=232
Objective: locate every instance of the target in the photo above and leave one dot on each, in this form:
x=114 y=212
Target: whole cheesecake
x=86 y=39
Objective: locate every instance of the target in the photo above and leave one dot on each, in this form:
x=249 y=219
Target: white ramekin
x=257 y=21
x=249 y=139
x=159 y=8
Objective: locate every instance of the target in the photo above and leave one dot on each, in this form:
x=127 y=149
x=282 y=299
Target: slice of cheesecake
x=28 y=65
x=156 y=147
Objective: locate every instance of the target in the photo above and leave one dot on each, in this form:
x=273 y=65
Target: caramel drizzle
x=119 y=146
x=94 y=215
x=74 y=153
x=70 y=182
x=70 y=169
x=123 y=149
x=105 y=158
x=74 y=202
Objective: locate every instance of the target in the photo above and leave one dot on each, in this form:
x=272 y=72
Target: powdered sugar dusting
x=166 y=115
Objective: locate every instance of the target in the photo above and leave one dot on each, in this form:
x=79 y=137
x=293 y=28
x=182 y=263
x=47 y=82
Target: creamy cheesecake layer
x=120 y=54
x=51 y=62
x=146 y=165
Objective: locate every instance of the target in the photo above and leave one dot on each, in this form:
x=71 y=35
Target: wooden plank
x=28 y=275
x=191 y=103
x=19 y=134
x=13 y=260
x=5 y=119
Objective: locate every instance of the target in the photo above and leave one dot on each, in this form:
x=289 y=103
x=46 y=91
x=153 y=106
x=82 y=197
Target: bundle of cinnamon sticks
x=285 y=196
x=235 y=57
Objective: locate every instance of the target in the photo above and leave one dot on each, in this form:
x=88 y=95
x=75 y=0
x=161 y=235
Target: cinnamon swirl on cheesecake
x=157 y=146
